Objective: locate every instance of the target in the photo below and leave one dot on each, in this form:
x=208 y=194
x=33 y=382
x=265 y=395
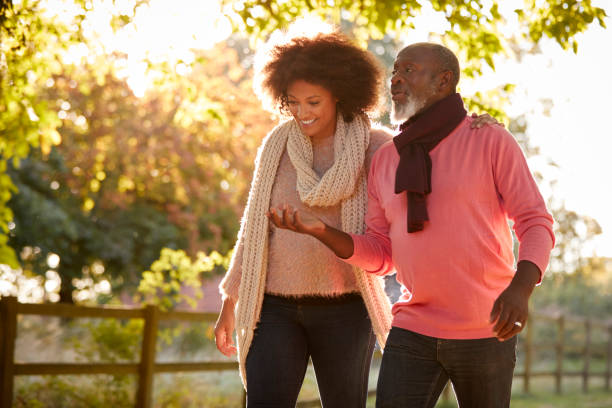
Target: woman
x=295 y=299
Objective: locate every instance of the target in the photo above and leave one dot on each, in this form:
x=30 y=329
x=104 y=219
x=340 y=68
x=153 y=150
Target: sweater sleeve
x=372 y=250
x=523 y=203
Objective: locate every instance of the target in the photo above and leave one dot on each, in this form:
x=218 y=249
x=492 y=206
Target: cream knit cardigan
x=344 y=182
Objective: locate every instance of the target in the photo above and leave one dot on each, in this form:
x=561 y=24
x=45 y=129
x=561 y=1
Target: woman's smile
x=313 y=107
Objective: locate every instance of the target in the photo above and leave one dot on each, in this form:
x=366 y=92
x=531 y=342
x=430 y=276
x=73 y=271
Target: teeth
x=308 y=122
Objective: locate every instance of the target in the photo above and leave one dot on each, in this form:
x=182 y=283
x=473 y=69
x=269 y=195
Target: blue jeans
x=335 y=333
x=415 y=368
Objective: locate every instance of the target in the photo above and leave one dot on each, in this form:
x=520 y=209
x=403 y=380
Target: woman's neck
x=322 y=141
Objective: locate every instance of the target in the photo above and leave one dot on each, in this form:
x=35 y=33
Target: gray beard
x=401 y=112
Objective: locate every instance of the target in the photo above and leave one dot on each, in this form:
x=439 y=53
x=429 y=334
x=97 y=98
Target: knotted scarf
x=419 y=135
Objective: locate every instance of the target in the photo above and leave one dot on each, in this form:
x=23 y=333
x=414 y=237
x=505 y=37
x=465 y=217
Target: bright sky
x=576 y=135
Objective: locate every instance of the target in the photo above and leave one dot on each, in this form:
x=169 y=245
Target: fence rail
x=587 y=350
x=146 y=368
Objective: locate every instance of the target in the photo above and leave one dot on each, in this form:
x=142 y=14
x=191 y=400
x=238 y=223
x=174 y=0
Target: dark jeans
x=415 y=368
x=336 y=334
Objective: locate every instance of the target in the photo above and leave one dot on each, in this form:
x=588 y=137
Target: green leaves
x=175 y=278
x=29 y=50
x=560 y=20
x=475 y=25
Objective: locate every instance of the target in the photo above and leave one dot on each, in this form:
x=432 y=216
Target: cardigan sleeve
x=230 y=284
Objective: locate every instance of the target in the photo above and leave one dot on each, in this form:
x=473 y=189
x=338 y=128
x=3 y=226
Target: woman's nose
x=300 y=111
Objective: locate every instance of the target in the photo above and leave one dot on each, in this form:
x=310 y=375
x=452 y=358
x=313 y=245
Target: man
x=439 y=199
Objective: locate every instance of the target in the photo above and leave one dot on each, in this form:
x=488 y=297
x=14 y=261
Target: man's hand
x=224 y=329
x=483 y=120
x=288 y=218
x=511 y=309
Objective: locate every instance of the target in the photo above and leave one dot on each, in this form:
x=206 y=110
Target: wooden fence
x=147 y=367
x=587 y=351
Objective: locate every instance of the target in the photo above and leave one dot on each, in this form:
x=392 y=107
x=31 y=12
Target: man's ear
x=445 y=80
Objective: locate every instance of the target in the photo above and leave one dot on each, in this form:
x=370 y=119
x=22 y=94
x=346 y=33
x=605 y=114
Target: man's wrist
x=338 y=241
x=526 y=277
x=323 y=232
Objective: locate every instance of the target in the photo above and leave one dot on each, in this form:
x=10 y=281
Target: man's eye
x=313 y=103
x=408 y=69
x=291 y=103
x=394 y=72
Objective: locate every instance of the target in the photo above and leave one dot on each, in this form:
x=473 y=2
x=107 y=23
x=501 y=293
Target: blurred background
x=128 y=130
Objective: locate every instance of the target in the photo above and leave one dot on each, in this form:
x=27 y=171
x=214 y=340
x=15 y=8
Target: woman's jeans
x=415 y=368
x=335 y=333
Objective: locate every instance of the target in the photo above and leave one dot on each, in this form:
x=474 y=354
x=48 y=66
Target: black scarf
x=419 y=135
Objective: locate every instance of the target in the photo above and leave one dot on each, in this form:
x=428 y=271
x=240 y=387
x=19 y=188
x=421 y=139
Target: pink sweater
x=453 y=270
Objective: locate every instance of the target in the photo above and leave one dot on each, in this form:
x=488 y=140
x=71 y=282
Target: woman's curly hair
x=351 y=74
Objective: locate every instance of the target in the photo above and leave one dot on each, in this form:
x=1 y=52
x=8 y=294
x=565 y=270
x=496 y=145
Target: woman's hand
x=483 y=120
x=287 y=217
x=338 y=241
x=224 y=328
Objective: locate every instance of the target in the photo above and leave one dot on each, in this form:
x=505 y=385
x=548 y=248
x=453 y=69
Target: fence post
x=587 y=355
x=560 y=352
x=609 y=359
x=528 y=353
x=144 y=395
x=8 y=306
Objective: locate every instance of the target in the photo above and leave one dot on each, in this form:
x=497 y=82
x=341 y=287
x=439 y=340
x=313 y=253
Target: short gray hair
x=446 y=59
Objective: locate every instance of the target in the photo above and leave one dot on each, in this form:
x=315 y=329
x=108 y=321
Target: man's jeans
x=415 y=368
x=336 y=334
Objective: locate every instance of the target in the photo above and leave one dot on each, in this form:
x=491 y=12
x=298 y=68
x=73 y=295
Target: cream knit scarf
x=344 y=182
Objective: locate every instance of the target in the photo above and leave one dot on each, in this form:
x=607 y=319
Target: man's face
x=414 y=84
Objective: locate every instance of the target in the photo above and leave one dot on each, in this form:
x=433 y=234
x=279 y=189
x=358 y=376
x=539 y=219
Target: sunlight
x=161 y=31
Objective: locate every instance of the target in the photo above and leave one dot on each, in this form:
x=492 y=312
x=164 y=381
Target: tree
x=31 y=52
x=32 y=49
x=134 y=175
x=105 y=243
x=474 y=26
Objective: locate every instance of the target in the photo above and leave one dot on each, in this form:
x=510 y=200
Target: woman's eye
x=313 y=103
x=291 y=103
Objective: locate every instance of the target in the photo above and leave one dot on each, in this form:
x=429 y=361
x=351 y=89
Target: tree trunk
x=66 y=289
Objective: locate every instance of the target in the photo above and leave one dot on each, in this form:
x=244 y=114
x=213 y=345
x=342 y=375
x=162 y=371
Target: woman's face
x=313 y=107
